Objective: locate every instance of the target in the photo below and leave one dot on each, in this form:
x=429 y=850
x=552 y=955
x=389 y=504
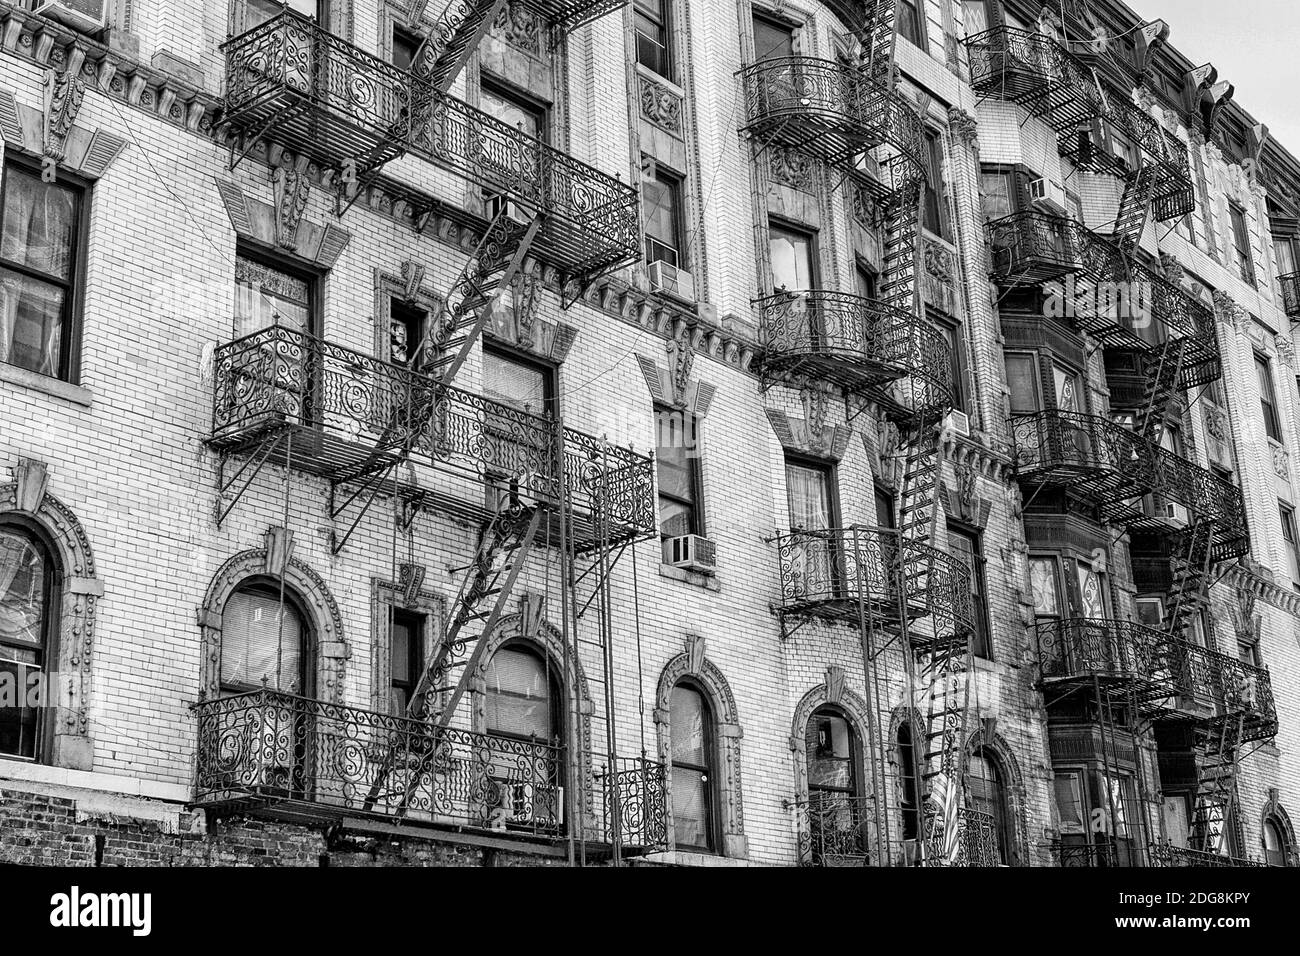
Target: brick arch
x=854 y=709
x=1274 y=813
x=693 y=665
x=28 y=498
x=1014 y=782
x=311 y=592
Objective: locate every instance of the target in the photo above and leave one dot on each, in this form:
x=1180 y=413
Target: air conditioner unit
x=1176 y=514
x=957 y=423
x=867 y=163
x=691 y=552
x=87 y=16
x=1049 y=195
x=665 y=277
x=513 y=209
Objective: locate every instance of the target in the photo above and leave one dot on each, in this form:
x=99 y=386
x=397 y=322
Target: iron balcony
x=828 y=109
x=1216 y=691
x=1166 y=855
x=293 y=82
x=1291 y=294
x=1081 y=650
x=273 y=753
x=344 y=411
x=838 y=831
x=1030 y=248
x=1031 y=69
x=867 y=347
x=847 y=573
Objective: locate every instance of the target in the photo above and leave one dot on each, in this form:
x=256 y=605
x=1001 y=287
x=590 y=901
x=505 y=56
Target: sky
x=1255 y=44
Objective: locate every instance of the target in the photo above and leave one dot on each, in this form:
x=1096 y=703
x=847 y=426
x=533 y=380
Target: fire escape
x=543 y=496
x=892 y=584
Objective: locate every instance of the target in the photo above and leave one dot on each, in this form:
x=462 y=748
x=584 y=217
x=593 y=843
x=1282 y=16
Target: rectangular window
x=1045 y=582
x=932 y=202
x=1241 y=240
x=269 y=294
x=677 y=457
x=1069 y=801
x=1023 y=383
x=975 y=17
x=794 y=262
x=1284 y=247
x=405 y=658
x=259 y=11
x=866 y=282
x=405 y=46
x=772 y=39
x=40 y=253
x=528 y=386
x=514 y=110
x=957 y=364
x=965 y=546
x=661 y=201
x=653 y=36
x=406 y=330
x=910 y=24
x=1292 y=540
x=997 y=194
x=1268 y=399
x=810 y=493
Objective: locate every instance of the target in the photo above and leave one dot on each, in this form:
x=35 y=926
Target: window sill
x=708 y=582
x=663 y=81
x=57 y=388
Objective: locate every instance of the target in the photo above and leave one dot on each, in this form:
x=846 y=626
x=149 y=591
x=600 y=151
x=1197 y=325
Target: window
x=269 y=295
x=691 y=731
x=965 y=546
x=40 y=253
x=1068 y=789
x=405 y=46
x=1023 y=383
x=527 y=386
x=809 y=490
x=793 y=256
x=514 y=110
x=986 y=793
x=1241 y=239
x=1268 y=399
x=997 y=194
x=405 y=658
x=932 y=213
x=866 y=282
x=661 y=199
x=521 y=697
x=956 y=365
x=1277 y=850
x=910 y=24
x=909 y=791
x=832 y=752
x=653 y=37
x=263 y=642
x=407 y=325
x=259 y=11
x=1045 y=584
x=772 y=39
x=28 y=603
x=678 y=462
x=1292 y=542
x=975 y=16
x=1285 y=249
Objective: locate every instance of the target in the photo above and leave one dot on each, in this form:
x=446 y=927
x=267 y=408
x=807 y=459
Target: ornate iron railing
x=269 y=747
x=615 y=484
x=1092 y=855
x=1068 y=445
x=1205 y=495
x=1240 y=693
x=829 y=109
x=1084 y=648
x=290 y=79
x=845 y=572
x=1291 y=294
x=1030 y=68
x=839 y=830
x=1166 y=854
x=856 y=342
x=978 y=839
x=1035 y=247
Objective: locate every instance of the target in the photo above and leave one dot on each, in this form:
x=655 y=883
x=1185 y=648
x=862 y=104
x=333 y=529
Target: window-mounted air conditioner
x=665 y=277
x=1176 y=514
x=691 y=552
x=957 y=423
x=1049 y=196
x=87 y=16
x=512 y=208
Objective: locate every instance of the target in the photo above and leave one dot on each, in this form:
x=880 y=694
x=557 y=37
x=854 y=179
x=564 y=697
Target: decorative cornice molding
x=1248 y=578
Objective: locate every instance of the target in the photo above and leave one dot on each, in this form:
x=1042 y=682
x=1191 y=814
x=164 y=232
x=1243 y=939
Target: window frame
x=952 y=331
x=1241 y=243
x=73 y=319
x=932 y=196
x=663 y=24
x=831 y=471
x=42 y=748
x=675 y=184
x=693 y=459
x=415 y=622
x=505 y=91
x=712 y=823
x=1268 y=402
x=555 y=698
x=793 y=229
x=1282 y=855
x=549 y=371
x=269 y=586
x=855 y=789
x=910 y=813
x=912 y=12
x=1291 y=540
x=401 y=312
x=1004 y=824
x=399 y=32
x=982 y=639
x=314 y=278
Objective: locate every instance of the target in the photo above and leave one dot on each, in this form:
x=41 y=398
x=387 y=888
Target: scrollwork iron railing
x=1291 y=294
x=840 y=830
x=1088 y=648
x=978 y=839
x=1057 y=444
x=1029 y=67
x=336 y=103
x=1206 y=495
x=269 y=747
x=1240 y=693
x=829 y=108
x=1035 y=247
x=854 y=341
x=842 y=572
x=1091 y=855
x=606 y=480
x=1166 y=855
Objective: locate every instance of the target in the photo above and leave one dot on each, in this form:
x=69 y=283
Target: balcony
x=1030 y=248
x=1082 y=650
x=1097 y=459
x=1093 y=855
x=305 y=760
x=1028 y=68
x=854 y=573
x=859 y=344
x=1291 y=294
x=839 y=831
x=829 y=110
x=1166 y=854
x=284 y=397
x=1217 y=691
x=1203 y=495
x=293 y=82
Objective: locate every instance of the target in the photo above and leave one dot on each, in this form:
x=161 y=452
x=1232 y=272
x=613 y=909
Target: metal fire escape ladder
x=883 y=32
x=1216 y=784
x=1135 y=207
x=1192 y=566
x=1160 y=388
x=456 y=34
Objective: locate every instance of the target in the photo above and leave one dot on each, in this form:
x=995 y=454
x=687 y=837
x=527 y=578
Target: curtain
x=22 y=591
x=807 y=496
x=518 y=699
x=39 y=223
x=251 y=642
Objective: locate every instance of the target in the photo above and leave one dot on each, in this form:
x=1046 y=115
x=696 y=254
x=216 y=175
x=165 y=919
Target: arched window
x=28 y=611
x=1276 y=849
x=693 y=785
x=263 y=647
x=522 y=695
x=986 y=792
x=909 y=792
x=832 y=749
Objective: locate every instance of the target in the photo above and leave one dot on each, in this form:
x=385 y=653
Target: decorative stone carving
x=520 y=27
x=412 y=280
x=279 y=550
x=660 y=105
x=64 y=91
x=695 y=651
x=292 y=190
x=815 y=410
x=681 y=360
x=835 y=679
x=1172 y=268
x=526 y=294
x=1285 y=350
x=964 y=126
x=792 y=168
x=1281 y=463
x=940 y=273
x=410 y=582
x=31 y=478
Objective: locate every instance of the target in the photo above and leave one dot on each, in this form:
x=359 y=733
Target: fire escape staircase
x=457 y=33
x=882 y=32
x=1160 y=389
x=1135 y=207
x=1218 y=761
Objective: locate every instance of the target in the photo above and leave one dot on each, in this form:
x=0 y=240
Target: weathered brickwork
x=129 y=476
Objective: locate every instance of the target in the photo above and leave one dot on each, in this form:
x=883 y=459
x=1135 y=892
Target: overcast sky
x=1256 y=46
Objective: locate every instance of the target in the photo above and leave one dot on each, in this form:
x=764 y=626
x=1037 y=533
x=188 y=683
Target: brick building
x=583 y=431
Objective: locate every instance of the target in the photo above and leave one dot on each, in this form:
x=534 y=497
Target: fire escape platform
x=1030 y=248
x=1031 y=69
x=1291 y=294
x=1119 y=654
x=1214 y=692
